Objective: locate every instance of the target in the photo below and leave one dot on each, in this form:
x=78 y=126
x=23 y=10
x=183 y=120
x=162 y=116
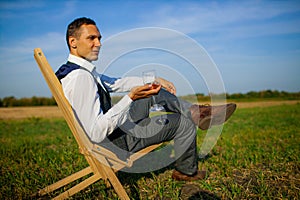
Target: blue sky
x=254 y=44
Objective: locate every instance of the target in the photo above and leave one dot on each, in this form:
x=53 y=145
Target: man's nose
x=97 y=42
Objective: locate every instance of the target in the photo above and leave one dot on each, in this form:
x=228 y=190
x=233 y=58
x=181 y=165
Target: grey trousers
x=141 y=131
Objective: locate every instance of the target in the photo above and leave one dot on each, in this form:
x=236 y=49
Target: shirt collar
x=82 y=62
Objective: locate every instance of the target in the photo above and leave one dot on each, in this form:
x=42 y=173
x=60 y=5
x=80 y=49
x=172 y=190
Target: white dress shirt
x=81 y=91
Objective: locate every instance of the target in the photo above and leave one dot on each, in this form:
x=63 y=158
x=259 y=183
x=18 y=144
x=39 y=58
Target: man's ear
x=73 y=42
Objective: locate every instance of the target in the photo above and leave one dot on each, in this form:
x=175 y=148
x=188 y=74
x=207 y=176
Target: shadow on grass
x=132 y=180
x=191 y=191
x=186 y=190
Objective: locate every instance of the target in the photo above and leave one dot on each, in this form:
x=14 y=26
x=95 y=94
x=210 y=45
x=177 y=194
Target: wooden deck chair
x=103 y=164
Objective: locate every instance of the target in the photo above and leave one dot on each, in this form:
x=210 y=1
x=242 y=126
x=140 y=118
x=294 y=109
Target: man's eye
x=93 y=37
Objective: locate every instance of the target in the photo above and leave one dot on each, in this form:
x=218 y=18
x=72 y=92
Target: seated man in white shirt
x=126 y=125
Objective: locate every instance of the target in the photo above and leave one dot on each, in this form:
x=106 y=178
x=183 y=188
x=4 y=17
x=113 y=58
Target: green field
x=256 y=157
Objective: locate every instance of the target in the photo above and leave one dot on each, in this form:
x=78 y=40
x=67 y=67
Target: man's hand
x=144 y=91
x=169 y=86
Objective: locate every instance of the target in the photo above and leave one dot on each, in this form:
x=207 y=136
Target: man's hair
x=74 y=26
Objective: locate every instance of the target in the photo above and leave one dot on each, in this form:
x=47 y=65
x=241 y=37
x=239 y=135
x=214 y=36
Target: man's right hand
x=144 y=91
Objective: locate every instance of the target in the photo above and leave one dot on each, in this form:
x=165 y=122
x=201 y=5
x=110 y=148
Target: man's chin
x=94 y=58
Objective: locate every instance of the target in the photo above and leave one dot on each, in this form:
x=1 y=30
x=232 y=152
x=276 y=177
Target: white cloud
x=19 y=74
x=18 y=52
x=210 y=17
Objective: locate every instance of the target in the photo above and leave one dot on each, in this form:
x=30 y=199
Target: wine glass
x=149 y=77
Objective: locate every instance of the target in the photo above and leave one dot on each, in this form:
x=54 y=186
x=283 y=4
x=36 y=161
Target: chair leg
x=113 y=179
x=65 y=181
x=78 y=187
x=99 y=168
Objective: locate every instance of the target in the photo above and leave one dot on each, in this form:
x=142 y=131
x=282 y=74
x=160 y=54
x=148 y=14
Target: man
x=127 y=125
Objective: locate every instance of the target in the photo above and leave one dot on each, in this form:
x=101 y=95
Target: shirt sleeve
x=81 y=91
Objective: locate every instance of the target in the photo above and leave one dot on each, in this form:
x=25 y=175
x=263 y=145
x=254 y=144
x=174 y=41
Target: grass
x=256 y=157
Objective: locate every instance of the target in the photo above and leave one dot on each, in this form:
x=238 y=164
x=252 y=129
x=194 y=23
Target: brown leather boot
x=199 y=175
x=205 y=116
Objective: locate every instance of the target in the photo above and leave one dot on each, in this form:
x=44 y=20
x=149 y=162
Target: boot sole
x=210 y=121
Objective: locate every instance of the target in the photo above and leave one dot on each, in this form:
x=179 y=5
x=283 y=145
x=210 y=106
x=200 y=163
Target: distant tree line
x=33 y=101
x=260 y=95
x=265 y=94
x=249 y=96
x=252 y=95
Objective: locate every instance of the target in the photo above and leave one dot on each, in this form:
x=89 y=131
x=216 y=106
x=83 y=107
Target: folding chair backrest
x=58 y=94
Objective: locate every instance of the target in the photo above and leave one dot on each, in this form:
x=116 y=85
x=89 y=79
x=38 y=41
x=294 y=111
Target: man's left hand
x=169 y=86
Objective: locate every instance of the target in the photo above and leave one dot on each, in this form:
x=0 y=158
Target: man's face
x=87 y=45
